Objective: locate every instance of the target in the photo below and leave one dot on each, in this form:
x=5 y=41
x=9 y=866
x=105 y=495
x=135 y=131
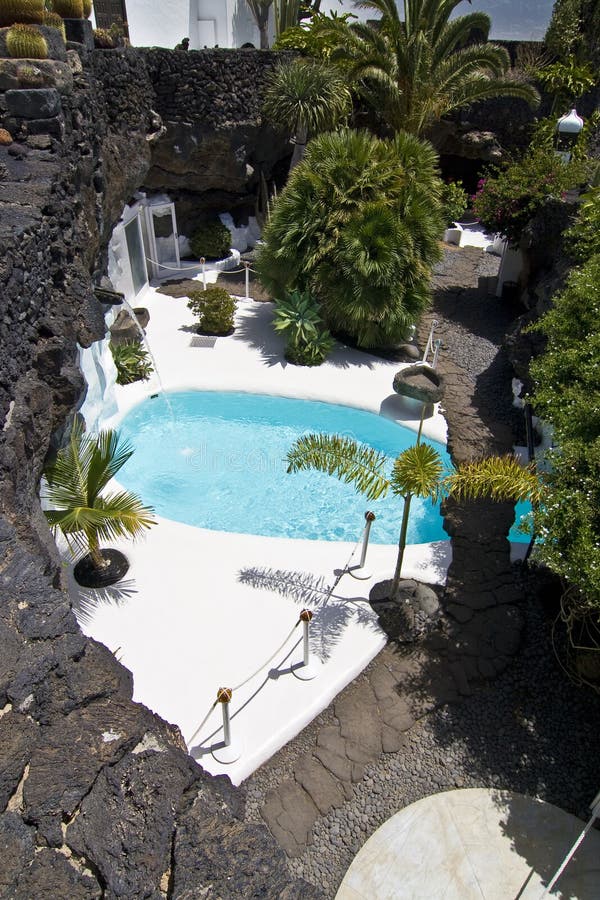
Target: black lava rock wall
x=98 y=797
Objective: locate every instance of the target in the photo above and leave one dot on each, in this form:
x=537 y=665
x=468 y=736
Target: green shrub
x=585 y=234
x=132 y=362
x=68 y=9
x=215 y=309
x=298 y=317
x=313 y=352
x=454 y=202
x=508 y=199
x=26 y=42
x=22 y=11
x=212 y=241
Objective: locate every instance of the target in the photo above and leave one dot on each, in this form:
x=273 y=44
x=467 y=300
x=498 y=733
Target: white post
x=203 y=264
x=309 y=667
x=247 y=265
x=360 y=571
x=438 y=344
x=226 y=751
x=595 y=807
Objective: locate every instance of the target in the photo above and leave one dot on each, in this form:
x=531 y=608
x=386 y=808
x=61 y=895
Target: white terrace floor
x=183 y=622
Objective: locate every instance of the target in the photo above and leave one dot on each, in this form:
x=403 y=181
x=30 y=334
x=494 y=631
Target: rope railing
x=224 y=695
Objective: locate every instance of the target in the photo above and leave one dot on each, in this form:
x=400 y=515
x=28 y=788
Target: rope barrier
x=197 y=266
x=322 y=602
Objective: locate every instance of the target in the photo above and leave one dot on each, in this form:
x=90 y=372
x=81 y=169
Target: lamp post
x=568 y=129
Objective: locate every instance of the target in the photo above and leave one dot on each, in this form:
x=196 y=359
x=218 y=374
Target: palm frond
x=417 y=470
x=343 y=457
x=496 y=477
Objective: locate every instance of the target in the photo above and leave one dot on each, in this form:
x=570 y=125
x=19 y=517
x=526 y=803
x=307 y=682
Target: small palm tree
x=76 y=482
x=417 y=471
x=416 y=69
x=306 y=97
x=260 y=10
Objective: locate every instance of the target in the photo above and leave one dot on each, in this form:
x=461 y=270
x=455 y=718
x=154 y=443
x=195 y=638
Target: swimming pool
x=217 y=460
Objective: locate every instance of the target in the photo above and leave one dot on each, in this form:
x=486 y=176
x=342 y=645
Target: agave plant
x=297 y=316
x=76 y=489
x=132 y=361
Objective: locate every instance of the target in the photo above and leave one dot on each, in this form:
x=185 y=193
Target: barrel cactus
x=68 y=9
x=27 y=11
x=87 y=8
x=53 y=20
x=26 y=42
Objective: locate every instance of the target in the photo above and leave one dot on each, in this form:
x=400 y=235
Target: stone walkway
x=324 y=792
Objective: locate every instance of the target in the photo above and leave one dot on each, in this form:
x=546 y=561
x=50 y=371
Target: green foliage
x=583 y=239
x=417 y=471
x=287 y=14
x=358 y=226
x=308 y=342
x=567 y=80
x=508 y=199
x=77 y=481
x=313 y=38
x=29 y=12
x=26 y=42
x=567 y=375
x=415 y=68
x=306 y=94
x=454 y=202
x=211 y=240
x=351 y=462
x=497 y=477
x=215 y=309
x=132 y=361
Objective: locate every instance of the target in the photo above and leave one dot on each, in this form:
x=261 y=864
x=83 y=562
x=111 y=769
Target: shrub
x=213 y=240
x=585 y=233
x=215 y=309
x=454 y=202
x=68 y=9
x=308 y=341
x=508 y=199
x=22 y=11
x=358 y=226
x=313 y=352
x=26 y=42
x=132 y=361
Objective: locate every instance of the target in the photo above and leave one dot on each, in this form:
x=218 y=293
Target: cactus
x=28 y=11
x=68 y=9
x=26 y=42
x=53 y=20
x=87 y=8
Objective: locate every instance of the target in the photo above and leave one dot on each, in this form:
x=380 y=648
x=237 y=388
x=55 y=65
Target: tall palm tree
x=306 y=97
x=417 y=471
x=416 y=69
x=83 y=511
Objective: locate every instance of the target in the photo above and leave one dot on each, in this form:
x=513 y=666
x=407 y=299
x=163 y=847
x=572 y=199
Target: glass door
x=163 y=239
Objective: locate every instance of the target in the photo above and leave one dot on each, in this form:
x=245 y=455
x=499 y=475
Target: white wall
x=153 y=23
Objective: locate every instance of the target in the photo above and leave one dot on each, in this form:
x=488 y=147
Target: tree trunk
x=300 y=140
x=95 y=554
x=401 y=547
x=263 y=28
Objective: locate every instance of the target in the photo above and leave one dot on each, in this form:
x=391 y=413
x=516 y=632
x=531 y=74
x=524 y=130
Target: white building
x=229 y=23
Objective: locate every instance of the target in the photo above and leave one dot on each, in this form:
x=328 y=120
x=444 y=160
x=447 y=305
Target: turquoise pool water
x=217 y=461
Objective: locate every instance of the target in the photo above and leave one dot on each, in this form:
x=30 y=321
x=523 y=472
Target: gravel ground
x=531 y=730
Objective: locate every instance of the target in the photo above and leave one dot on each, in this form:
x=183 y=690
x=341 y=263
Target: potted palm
x=83 y=510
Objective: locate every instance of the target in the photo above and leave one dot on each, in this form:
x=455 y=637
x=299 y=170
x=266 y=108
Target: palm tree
x=306 y=97
x=260 y=10
x=414 y=71
x=417 y=471
x=358 y=226
x=76 y=482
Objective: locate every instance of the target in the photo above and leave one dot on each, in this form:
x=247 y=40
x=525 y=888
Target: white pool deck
x=199 y=610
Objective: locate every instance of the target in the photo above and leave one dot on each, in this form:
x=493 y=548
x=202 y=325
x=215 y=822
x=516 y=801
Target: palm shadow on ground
x=87 y=601
x=331 y=613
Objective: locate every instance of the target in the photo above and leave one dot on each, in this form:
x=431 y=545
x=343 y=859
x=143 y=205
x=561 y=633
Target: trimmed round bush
x=26 y=42
x=213 y=241
x=215 y=309
x=69 y=9
x=23 y=11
